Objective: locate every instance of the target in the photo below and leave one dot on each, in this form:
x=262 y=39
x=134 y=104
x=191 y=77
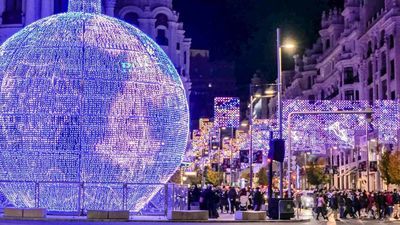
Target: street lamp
x=279 y=58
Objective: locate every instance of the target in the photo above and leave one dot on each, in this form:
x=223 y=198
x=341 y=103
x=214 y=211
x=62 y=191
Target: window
x=371 y=95
x=384 y=90
x=370 y=72
x=13 y=12
x=161 y=39
x=348 y=75
x=327 y=44
x=349 y=95
x=383 y=63
x=382 y=39
x=322 y=95
x=178 y=46
x=132 y=18
x=161 y=20
x=357 y=95
x=342 y=158
x=392 y=69
x=392 y=95
x=184 y=57
x=391 y=41
x=369 y=51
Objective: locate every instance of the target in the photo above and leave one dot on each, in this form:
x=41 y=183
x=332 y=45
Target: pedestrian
x=372 y=205
x=321 y=207
x=243 y=200
x=342 y=204
x=224 y=206
x=357 y=206
x=257 y=199
x=232 y=195
x=389 y=203
x=334 y=205
x=381 y=204
x=396 y=202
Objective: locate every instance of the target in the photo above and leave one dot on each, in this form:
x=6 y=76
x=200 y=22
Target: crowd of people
x=226 y=199
x=355 y=204
x=339 y=204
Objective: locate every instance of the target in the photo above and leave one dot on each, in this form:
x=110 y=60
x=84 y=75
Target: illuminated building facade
x=356 y=57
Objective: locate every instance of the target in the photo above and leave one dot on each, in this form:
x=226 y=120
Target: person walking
x=243 y=200
x=257 y=199
x=224 y=206
x=381 y=205
x=232 y=195
x=321 y=207
x=342 y=204
x=371 y=205
x=334 y=205
x=396 y=204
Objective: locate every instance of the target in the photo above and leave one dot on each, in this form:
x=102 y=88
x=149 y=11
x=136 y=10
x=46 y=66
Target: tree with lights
x=394 y=168
x=316 y=174
x=213 y=177
x=262 y=177
x=384 y=167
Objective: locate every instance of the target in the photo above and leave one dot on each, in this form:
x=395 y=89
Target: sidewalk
x=224 y=218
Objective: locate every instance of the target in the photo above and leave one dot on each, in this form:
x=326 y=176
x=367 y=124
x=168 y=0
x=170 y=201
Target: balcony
x=351 y=80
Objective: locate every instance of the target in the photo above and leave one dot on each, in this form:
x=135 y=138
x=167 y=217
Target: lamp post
x=279 y=108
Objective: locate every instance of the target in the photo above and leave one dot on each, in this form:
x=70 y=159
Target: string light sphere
x=88 y=101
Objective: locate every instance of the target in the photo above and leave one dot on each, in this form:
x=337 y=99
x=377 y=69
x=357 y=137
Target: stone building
x=356 y=57
x=155 y=17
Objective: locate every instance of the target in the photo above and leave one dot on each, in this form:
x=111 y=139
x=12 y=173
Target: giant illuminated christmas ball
x=93 y=113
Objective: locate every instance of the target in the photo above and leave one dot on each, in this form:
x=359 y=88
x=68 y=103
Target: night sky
x=244 y=31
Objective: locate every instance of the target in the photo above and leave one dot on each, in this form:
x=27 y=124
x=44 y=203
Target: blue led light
x=226 y=112
x=88 y=102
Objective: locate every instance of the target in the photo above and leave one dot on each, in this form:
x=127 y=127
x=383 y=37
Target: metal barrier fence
x=169 y=196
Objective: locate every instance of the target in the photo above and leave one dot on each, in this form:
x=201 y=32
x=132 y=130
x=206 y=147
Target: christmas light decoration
x=319 y=131
x=93 y=114
x=226 y=112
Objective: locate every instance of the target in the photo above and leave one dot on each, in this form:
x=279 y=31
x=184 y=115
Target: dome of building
x=93 y=114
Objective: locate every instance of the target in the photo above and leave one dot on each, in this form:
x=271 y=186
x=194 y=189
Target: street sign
x=244 y=156
x=257 y=157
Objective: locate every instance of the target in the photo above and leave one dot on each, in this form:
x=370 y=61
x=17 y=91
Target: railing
x=168 y=196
